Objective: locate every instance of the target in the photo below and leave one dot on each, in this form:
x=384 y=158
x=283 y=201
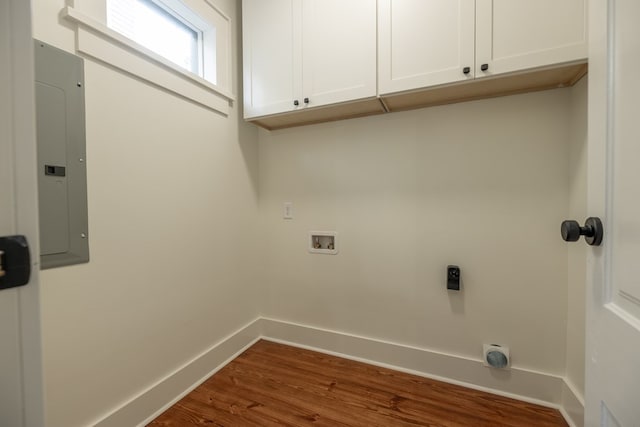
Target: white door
x=514 y=35
x=338 y=51
x=21 y=401
x=272 y=55
x=613 y=289
x=424 y=43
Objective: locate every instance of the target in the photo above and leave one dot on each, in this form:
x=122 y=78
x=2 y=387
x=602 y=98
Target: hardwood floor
x=276 y=385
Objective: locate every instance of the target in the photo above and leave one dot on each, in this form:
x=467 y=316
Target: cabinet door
x=339 y=50
x=424 y=43
x=271 y=54
x=515 y=35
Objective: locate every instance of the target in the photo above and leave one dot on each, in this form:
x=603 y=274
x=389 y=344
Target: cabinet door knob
x=306 y=100
x=484 y=67
x=466 y=70
x=296 y=103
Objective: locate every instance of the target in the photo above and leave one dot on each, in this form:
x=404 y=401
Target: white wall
x=577 y=252
x=482 y=185
x=172 y=214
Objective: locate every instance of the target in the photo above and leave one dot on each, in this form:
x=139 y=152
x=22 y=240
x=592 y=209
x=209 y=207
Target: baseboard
x=529 y=386
x=143 y=408
x=572 y=407
x=521 y=384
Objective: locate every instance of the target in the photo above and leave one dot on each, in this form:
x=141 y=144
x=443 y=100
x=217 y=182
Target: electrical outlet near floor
x=496 y=356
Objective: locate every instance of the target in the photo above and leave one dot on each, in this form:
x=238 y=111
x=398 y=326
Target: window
x=158 y=28
x=170 y=29
x=183 y=46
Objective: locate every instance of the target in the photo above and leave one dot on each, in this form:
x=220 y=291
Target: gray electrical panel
x=62 y=173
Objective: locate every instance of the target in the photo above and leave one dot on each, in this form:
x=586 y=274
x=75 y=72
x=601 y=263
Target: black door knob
x=466 y=70
x=15 y=262
x=592 y=231
x=296 y=103
x=484 y=67
x=306 y=100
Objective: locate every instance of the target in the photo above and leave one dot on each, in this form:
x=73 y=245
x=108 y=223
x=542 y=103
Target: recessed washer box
x=62 y=173
x=323 y=242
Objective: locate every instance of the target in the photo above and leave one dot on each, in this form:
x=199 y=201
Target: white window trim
x=95 y=39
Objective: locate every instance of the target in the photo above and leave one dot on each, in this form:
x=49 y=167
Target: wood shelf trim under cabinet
x=308 y=116
x=490 y=87
x=521 y=82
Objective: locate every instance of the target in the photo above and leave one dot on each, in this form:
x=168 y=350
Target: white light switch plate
x=287 y=210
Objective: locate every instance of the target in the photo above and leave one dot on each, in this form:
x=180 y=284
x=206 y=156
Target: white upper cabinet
x=338 y=50
x=513 y=35
x=271 y=55
x=306 y=53
x=344 y=54
x=424 y=43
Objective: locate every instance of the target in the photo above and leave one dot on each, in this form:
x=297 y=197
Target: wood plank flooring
x=276 y=385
